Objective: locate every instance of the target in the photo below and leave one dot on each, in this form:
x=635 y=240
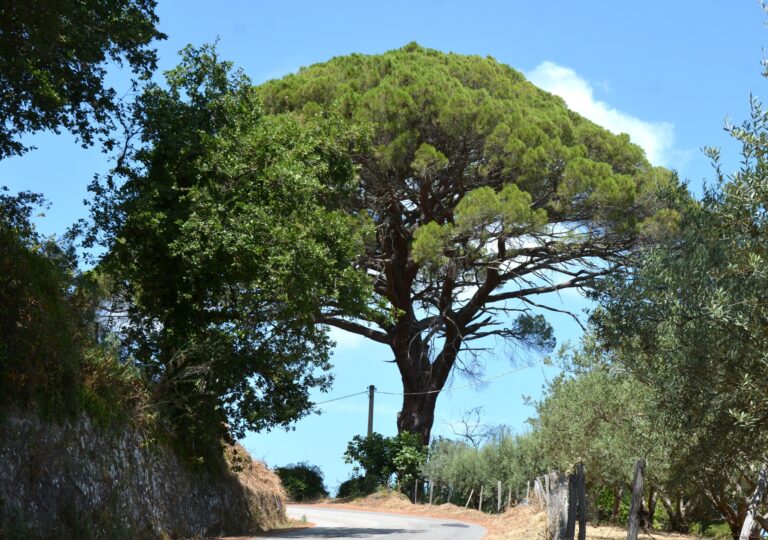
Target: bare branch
x=356 y=328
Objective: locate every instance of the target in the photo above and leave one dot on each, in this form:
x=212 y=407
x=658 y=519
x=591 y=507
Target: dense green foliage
x=53 y=64
x=52 y=355
x=470 y=170
x=224 y=237
x=602 y=417
x=302 y=482
x=381 y=458
x=41 y=330
x=691 y=324
x=599 y=414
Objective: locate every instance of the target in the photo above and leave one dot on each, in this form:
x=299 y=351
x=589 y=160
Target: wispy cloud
x=656 y=138
x=346 y=340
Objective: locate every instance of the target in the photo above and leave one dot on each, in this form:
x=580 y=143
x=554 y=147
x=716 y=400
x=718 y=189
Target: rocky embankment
x=78 y=480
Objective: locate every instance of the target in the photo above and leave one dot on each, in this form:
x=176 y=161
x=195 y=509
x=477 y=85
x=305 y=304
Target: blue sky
x=667 y=72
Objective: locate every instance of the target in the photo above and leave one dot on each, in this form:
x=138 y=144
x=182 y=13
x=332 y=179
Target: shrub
x=358 y=486
x=41 y=331
x=302 y=481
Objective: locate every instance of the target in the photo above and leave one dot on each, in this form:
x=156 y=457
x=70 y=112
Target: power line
x=342 y=397
x=451 y=389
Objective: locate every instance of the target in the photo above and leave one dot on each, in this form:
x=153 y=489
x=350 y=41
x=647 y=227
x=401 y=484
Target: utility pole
x=371 y=389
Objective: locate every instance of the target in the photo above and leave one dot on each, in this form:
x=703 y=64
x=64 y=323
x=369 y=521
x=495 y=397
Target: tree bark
x=729 y=514
x=417 y=415
x=636 y=505
x=618 y=492
x=651 y=505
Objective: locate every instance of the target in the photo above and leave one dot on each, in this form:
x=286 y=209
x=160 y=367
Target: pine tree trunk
x=422 y=382
x=417 y=415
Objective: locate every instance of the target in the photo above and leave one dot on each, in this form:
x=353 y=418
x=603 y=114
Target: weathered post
x=581 y=488
x=498 y=496
x=371 y=389
x=570 y=520
x=480 y=504
x=636 y=505
x=754 y=503
x=557 y=505
x=431 y=490
x=472 y=492
x=538 y=491
x=416 y=491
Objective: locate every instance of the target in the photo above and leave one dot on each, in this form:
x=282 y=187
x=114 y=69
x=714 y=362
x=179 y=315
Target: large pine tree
x=486 y=193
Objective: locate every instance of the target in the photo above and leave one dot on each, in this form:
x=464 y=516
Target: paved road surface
x=337 y=523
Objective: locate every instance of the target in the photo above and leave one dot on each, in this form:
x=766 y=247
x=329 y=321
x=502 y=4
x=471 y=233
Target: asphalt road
x=337 y=523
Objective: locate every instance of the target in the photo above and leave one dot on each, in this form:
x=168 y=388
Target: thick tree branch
x=356 y=328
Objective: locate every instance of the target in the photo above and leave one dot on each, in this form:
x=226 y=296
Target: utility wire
x=452 y=388
x=486 y=381
x=340 y=398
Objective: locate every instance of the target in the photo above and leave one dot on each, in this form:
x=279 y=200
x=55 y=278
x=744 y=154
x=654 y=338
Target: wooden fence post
x=538 y=491
x=570 y=520
x=416 y=491
x=581 y=488
x=637 y=500
x=498 y=496
x=480 y=504
x=469 y=498
x=754 y=503
x=431 y=490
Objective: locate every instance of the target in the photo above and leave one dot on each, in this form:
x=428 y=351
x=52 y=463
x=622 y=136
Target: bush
x=55 y=357
x=41 y=331
x=358 y=486
x=302 y=482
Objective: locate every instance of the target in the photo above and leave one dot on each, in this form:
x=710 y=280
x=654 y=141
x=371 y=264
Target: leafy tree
x=223 y=240
x=302 y=481
x=457 y=467
x=408 y=454
x=485 y=193
x=372 y=453
x=691 y=323
x=53 y=58
x=381 y=457
x=599 y=414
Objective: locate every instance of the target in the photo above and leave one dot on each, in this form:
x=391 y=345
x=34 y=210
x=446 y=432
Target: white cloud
x=656 y=138
x=345 y=340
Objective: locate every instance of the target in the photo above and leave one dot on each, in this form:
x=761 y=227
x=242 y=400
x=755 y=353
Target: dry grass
x=264 y=493
x=519 y=523
x=254 y=474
